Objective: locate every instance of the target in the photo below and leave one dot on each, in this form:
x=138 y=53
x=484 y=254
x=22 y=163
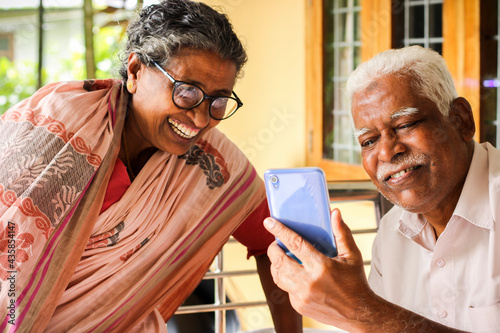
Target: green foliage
x=107 y=45
x=17 y=82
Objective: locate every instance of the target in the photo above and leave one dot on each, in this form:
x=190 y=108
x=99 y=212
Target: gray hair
x=426 y=69
x=162 y=31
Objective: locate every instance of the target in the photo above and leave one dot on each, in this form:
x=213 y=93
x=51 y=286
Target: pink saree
x=64 y=267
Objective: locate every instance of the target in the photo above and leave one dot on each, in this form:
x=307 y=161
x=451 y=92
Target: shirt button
x=440 y=262
x=442 y=313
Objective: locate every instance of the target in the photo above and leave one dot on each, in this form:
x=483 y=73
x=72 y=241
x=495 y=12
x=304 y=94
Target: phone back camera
x=274 y=181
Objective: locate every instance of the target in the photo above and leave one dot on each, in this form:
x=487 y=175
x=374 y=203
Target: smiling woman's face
x=416 y=157
x=154 y=120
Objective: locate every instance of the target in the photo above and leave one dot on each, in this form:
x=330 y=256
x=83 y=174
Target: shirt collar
x=470 y=205
x=411 y=224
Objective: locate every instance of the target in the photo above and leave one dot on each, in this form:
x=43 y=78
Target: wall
x=270 y=128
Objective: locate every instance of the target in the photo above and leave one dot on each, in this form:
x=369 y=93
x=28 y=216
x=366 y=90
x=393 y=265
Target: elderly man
x=436 y=258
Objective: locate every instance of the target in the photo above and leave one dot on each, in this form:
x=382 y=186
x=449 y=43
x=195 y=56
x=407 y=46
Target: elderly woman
x=115 y=195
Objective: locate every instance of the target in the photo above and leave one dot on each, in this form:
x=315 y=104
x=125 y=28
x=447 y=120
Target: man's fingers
x=346 y=246
x=282 y=267
x=295 y=243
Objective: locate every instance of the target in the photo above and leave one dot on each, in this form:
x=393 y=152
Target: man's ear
x=462 y=112
x=133 y=67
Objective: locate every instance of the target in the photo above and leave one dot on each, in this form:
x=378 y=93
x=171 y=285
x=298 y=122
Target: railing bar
x=213 y=275
x=211 y=307
x=220 y=295
x=364 y=231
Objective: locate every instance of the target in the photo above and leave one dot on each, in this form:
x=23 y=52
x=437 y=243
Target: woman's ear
x=133 y=68
x=462 y=111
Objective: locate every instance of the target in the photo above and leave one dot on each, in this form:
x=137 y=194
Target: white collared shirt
x=456 y=279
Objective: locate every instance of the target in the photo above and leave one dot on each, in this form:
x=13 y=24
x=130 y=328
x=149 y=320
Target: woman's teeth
x=182 y=130
x=399 y=174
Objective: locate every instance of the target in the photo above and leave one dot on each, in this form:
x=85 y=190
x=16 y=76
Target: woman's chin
x=178 y=151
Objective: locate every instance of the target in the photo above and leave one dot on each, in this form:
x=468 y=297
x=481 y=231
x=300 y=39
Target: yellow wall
x=270 y=128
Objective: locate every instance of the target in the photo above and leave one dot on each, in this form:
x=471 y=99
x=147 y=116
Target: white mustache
x=403 y=161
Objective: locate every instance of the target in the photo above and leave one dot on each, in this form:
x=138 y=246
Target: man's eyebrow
x=360 y=132
x=405 y=112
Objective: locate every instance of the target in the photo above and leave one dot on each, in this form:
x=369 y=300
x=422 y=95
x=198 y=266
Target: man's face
x=417 y=158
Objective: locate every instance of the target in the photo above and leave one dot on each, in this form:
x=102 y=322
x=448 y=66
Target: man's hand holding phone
x=331 y=290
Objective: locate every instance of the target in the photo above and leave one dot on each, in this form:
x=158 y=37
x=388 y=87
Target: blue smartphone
x=298 y=198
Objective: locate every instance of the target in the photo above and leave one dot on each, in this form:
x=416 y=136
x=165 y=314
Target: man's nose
x=390 y=147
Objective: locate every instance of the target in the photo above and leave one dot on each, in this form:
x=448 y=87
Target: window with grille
x=342 y=33
x=342 y=45
x=416 y=22
x=419 y=22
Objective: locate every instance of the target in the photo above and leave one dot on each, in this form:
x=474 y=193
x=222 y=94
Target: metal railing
x=220 y=306
x=347 y=191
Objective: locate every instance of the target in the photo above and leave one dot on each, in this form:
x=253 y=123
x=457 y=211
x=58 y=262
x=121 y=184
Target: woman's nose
x=200 y=114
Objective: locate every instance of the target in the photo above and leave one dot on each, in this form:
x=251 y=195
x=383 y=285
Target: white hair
x=426 y=69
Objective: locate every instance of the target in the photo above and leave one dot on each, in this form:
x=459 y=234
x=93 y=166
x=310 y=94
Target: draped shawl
x=64 y=267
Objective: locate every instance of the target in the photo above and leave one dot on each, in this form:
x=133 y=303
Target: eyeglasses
x=188 y=96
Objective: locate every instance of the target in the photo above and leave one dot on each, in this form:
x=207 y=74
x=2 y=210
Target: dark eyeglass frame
x=212 y=99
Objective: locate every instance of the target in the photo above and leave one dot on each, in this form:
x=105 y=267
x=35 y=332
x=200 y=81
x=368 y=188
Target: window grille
x=423 y=23
x=342 y=54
